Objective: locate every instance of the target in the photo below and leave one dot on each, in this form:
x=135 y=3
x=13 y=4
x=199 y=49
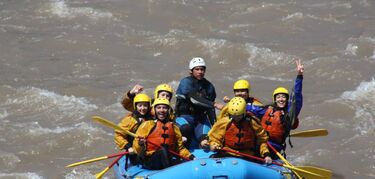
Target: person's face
x=281 y=100
x=244 y=93
x=161 y=111
x=164 y=94
x=142 y=107
x=198 y=72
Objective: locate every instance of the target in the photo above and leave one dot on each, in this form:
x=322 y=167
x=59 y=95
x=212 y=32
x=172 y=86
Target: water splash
x=362 y=99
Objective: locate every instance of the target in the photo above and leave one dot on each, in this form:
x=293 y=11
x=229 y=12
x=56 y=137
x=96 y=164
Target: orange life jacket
x=272 y=122
x=240 y=136
x=162 y=135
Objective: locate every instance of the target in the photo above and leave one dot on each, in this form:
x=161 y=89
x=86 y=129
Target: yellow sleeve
x=127 y=102
x=261 y=138
x=223 y=113
x=180 y=146
x=216 y=134
x=121 y=138
x=143 y=131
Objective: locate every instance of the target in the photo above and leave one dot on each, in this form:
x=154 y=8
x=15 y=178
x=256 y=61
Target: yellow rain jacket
x=131 y=124
x=217 y=133
x=127 y=101
x=146 y=128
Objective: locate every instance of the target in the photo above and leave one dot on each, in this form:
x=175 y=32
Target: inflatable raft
x=205 y=167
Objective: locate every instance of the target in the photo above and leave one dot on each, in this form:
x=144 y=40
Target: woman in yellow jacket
x=142 y=104
x=236 y=132
x=162 y=135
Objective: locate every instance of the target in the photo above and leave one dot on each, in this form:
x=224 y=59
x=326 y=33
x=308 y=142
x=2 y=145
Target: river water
x=63 y=61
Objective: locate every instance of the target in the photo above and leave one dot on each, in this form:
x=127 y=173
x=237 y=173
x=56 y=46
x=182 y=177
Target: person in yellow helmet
x=238 y=132
x=282 y=115
x=241 y=88
x=161 y=91
x=162 y=132
x=131 y=122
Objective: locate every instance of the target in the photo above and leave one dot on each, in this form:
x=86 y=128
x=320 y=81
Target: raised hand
x=136 y=89
x=300 y=68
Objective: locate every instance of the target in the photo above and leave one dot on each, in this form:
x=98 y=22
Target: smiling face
x=161 y=112
x=244 y=93
x=198 y=72
x=142 y=107
x=165 y=94
x=281 y=100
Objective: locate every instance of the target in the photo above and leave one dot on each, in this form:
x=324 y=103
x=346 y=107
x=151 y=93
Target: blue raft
x=205 y=167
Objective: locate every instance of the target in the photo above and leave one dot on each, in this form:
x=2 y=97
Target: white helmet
x=196 y=61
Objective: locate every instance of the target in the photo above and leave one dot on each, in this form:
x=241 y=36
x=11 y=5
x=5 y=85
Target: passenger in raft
x=241 y=88
x=131 y=122
x=282 y=115
x=161 y=91
x=238 y=132
x=195 y=106
x=162 y=132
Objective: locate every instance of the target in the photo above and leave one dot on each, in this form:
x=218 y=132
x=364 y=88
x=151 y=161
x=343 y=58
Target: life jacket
x=163 y=135
x=240 y=136
x=275 y=123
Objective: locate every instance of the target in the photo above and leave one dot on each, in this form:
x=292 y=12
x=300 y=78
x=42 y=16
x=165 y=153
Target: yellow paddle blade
x=87 y=161
x=287 y=163
x=100 y=174
x=304 y=173
x=327 y=174
x=111 y=125
x=310 y=133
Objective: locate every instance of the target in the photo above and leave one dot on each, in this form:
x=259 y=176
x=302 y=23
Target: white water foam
x=82 y=173
x=362 y=47
x=171 y=38
x=8 y=160
x=31 y=100
x=213 y=45
x=362 y=99
x=61 y=9
x=261 y=58
x=300 y=16
x=3 y=113
x=36 y=130
x=26 y=175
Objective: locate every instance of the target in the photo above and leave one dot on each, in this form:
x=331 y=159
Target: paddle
x=323 y=172
x=300 y=171
x=310 y=133
x=97 y=159
x=100 y=174
x=114 y=126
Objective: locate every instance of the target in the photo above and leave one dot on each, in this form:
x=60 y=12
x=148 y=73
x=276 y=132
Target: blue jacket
x=190 y=84
x=259 y=111
x=202 y=90
x=297 y=94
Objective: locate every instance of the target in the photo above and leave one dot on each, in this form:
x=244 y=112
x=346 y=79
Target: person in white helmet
x=195 y=105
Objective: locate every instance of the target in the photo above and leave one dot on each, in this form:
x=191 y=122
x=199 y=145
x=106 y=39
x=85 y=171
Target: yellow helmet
x=237 y=106
x=161 y=101
x=162 y=87
x=280 y=90
x=241 y=84
x=141 y=98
